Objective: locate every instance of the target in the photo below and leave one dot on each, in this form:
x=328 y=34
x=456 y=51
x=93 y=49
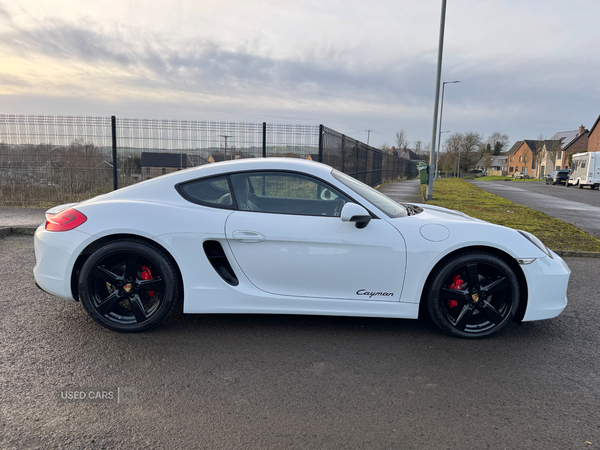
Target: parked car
x=289 y=236
x=558 y=177
x=520 y=175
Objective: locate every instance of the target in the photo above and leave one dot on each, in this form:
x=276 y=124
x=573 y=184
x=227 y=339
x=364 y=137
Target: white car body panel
x=293 y=270
x=319 y=257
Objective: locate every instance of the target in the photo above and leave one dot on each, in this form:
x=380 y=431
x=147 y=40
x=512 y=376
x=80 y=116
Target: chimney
x=581 y=130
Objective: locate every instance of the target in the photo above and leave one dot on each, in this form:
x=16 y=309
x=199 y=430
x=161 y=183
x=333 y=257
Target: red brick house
x=594 y=137
x=578 y=145
x=521 y=157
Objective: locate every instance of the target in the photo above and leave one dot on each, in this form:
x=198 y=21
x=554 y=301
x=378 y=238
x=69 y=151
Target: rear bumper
x=55 y=256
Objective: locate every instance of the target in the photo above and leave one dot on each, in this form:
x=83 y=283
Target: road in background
x=270 y=381
x=21 y=217
x=580 y=207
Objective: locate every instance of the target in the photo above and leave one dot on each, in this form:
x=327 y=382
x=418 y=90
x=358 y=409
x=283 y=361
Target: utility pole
x=225 y=136
x=368 y=135
x=437 y=99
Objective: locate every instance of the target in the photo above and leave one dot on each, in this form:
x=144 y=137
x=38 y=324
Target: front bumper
x=547 y=281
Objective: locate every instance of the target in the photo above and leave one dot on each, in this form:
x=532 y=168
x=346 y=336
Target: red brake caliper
x=457 y=283
x=147 y=275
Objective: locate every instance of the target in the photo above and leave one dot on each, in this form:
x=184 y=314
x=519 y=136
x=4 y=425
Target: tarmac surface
x=22 y=217
x=408 y=191
x=580 y=207
x=275 y=382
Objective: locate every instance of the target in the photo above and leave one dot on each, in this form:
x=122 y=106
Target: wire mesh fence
x=48 y=160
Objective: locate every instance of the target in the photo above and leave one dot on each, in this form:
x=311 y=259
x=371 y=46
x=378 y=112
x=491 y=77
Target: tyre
x=129 y=286
x=473 y=295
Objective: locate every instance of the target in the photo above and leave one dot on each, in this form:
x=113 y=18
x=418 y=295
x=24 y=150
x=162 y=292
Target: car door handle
x=248 y=237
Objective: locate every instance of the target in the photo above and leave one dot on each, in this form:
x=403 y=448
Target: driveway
x=276 y=382
x=580 y=207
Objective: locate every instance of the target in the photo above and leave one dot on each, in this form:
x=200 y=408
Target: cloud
x=522 y=67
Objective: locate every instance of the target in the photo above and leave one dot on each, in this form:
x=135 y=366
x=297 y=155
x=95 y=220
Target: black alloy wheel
x=129 y=286
x=473 y=295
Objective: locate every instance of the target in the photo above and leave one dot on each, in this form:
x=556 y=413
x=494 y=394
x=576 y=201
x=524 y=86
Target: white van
x=585 y=170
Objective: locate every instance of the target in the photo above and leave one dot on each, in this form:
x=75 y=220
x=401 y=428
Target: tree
x=385 y=148
x=554 y=152
x=465 y=149
x=401 y=140
x=498 y=142
x=487 y=162
x=539 y=156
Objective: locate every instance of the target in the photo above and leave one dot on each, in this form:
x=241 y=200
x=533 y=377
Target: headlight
x=535 y=241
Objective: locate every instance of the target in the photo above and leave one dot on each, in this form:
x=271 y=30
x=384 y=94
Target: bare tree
x=554 y=150
x=470 y=150
x=401 y=140
x=385 y=148
x=487 y=162
x=418 y=147
x=539 y=155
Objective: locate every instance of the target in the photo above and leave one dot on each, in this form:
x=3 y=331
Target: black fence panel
x=48 y=160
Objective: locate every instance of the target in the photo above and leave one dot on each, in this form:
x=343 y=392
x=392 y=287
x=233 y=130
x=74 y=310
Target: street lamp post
x=441 y=114
x=438 y=79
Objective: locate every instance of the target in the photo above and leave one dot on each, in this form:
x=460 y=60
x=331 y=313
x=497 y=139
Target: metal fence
x=47 y=160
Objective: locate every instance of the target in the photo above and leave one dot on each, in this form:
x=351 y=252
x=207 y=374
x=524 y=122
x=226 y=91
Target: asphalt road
x=580 y=207
x=228 y=382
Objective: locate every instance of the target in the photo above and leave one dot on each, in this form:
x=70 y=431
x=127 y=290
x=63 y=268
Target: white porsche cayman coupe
x=288 y=236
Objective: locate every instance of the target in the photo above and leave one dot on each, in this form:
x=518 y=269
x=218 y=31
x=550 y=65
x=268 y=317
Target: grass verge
x=556 y=234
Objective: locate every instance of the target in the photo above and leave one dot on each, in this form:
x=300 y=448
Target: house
x=407 y=153
x=530 y=157
x=575 y=141
x=154 y=164
x=594 y=137
x=497 y=165
x=218 y=157
x=514 y=161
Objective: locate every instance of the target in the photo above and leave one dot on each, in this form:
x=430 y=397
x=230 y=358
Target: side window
x=286 y=193
x=208 y=191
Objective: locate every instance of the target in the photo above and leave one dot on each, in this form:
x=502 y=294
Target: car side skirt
x=228 y=301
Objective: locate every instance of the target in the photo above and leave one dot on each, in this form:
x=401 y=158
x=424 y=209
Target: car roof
x=162 y=186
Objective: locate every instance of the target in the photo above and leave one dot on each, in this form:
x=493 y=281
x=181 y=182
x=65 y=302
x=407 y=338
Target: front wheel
x=129 y=286
x=473 y=295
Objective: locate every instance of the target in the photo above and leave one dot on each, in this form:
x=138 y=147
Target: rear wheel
x=473 y=295
x=129 y=286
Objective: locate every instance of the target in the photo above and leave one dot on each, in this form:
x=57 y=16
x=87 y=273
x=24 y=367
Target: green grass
x=556 y=234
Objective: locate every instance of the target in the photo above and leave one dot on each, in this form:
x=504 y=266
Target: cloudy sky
x=527 y=67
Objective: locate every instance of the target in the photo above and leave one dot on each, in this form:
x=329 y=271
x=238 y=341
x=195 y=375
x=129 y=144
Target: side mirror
x=351 y=212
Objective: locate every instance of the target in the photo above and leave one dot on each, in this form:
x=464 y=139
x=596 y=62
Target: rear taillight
x=65 y=220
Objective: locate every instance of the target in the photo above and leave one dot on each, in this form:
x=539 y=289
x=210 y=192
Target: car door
x=288 y=239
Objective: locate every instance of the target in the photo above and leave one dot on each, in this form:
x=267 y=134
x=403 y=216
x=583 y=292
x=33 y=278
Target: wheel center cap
x=127 y=287
x=475 y=297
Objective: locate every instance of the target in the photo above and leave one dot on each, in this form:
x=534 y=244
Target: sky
x=527 y=68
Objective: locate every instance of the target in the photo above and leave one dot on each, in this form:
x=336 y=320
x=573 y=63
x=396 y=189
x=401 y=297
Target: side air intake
x=216 y=256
